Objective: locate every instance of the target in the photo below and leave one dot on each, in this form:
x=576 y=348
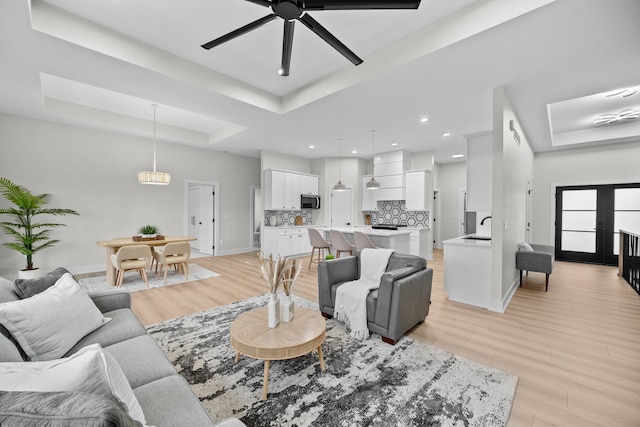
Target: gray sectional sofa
x=164 y=396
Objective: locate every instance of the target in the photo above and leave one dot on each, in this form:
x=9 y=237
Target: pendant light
x=154 y=178
x=373 y=184
x=340 y=186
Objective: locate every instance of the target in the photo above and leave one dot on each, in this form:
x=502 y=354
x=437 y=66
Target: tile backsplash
x=285 y=218
x=394 y=212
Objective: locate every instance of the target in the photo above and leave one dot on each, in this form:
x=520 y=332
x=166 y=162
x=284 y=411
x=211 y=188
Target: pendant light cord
x=340 y=160
x=373 y=148
x=155 y=107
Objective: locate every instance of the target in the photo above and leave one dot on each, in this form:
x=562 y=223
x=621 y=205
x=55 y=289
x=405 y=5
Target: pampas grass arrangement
x=291 y=273
x=279 y=271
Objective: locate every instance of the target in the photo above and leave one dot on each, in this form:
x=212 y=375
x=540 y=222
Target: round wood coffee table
x=251 y=336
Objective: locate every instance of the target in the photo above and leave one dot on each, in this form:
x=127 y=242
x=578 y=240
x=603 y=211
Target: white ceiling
x=101 y=65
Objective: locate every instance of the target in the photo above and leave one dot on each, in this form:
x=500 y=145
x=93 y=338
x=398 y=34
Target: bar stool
x=363 y=241
x=340 y=243
x=318 y=242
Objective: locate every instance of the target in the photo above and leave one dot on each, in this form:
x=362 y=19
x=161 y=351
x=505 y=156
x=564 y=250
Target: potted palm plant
x=28 y=235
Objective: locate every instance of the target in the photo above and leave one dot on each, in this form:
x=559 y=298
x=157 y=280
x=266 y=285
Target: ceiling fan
x=292 y=10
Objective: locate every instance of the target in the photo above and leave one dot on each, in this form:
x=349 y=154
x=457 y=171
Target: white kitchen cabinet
x=419 y=190
x=292 y=188
x=419 y=243
x=286 y=241
x=284 y=244
x=274 y=182
x=467 y=271
x=309 y=185
x=369 y=199
x=270 y=240
x=389 y=171
x=479 y=152
x=300 y=241
x=283 y=189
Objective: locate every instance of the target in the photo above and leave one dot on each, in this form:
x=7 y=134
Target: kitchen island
x=398 y=240
x=467 y=270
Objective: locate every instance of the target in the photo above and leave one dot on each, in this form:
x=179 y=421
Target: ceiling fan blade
x=265 y=3
x=240 y=31
x=287 y=46
x=359 y=4
x=325 y=35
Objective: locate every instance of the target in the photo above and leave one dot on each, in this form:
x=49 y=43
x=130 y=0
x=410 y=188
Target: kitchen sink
x=477 y=237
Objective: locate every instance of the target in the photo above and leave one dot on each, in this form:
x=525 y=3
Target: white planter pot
x=287 y=308
x=273 y=311
x=29 y=274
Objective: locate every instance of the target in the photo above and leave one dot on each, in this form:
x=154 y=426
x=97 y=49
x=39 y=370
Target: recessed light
x=457 y=156
x=354 y=152
x=446 y=134
x=311 y=147
x=424 y=120
x=394 y=144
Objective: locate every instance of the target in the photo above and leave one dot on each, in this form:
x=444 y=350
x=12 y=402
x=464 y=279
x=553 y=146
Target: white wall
x=512 y=165
x=95 y=173
x=451 y=177
x=611 y=164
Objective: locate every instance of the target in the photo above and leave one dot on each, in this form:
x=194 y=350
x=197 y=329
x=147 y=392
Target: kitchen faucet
x=485 y=218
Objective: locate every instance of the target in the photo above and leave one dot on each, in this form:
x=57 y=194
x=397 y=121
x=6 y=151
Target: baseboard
x=501 y=306
x=236 y=251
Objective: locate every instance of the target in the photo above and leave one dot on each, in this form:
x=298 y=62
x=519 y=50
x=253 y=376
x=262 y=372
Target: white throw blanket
x=351 y=297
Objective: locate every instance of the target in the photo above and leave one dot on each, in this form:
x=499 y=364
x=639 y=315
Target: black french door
x=589 y=218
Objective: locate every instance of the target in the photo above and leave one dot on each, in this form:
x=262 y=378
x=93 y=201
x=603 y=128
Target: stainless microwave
x=309 y=202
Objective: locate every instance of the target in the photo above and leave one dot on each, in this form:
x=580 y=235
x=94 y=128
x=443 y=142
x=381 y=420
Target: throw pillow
x=68 y=409
x=26 y=288
x=90 y=370
x=48 y=324
x=524 y=246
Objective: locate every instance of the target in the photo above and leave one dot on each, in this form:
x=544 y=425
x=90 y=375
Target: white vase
x=274 y=311
x=287 y=308
x=29 y=274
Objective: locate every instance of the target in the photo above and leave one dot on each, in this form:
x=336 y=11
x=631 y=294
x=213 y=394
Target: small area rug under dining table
x=366 y=382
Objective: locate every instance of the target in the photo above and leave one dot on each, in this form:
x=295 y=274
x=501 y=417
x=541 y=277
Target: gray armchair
x=401 y=302
x=540 y=260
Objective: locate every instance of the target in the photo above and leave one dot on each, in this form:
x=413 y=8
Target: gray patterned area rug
x=366 y=383
x=133 y=281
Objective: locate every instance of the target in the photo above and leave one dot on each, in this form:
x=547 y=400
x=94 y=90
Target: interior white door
x=192 y=212
x=341 y=208
x=528 y=213
x=206 y=219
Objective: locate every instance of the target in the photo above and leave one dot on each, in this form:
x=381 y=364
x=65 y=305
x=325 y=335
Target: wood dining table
x=113 y=245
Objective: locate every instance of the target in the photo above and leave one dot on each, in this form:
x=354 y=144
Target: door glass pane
x=626 y=220
x=579 y=200
x=626 y=214
x=579 y=241
x=579 y=220
x=627 y=199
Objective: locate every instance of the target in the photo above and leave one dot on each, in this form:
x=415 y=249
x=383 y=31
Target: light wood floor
x=575 y=348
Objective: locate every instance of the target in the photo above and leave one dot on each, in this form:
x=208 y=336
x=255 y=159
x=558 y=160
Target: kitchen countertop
x=370 y=231
x=468 y=242
x=293 y=226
